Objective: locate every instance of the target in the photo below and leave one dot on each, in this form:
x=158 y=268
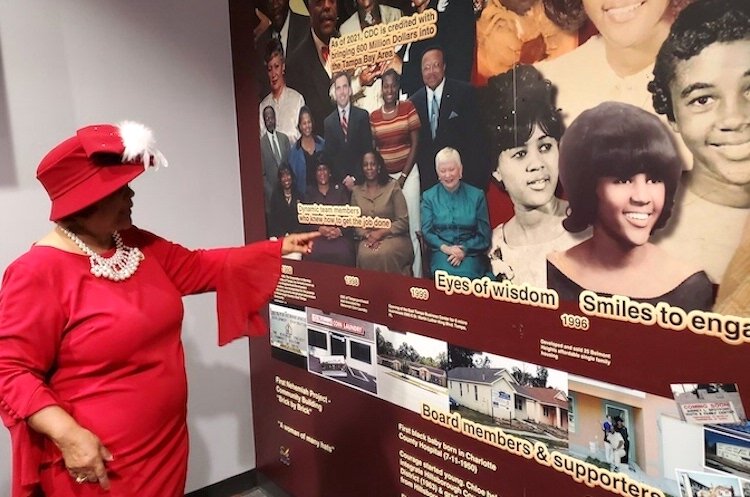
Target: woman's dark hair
x=514 y=102
x=304 y=110
x=616 y=140
x=383 y=177
x=273 y=48
x=698 y=26
x=391 y=72
x=71 y=220
x=321 y=161
x=284 y=168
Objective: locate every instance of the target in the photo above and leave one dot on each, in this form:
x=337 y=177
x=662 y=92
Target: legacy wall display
x=526 y=268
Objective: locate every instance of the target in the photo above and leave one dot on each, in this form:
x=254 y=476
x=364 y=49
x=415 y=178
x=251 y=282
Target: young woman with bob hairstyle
x=620 y=170
x=525 y=127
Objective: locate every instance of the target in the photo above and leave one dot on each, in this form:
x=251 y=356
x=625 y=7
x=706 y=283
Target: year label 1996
x=574 y=321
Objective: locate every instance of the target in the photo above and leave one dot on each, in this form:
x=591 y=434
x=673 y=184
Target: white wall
x=166 y=64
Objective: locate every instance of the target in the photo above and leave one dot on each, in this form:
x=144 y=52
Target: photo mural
x=532 y=274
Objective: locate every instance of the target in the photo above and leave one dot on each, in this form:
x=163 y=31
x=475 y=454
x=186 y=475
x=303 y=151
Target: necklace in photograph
x=389 y=112
x=121 y=266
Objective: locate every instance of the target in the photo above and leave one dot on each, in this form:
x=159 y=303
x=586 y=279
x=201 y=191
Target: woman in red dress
x=92 y=374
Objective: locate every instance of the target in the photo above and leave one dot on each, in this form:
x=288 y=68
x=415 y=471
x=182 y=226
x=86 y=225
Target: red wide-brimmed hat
x=96 y=162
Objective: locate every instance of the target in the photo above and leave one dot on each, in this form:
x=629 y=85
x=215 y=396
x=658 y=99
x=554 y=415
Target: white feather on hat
x=140 y=144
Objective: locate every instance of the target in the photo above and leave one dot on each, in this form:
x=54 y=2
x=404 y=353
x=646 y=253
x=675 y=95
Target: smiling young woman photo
x=526 y=128
x=620 y=170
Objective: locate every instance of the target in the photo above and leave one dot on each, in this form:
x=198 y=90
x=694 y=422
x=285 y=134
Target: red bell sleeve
x=247 y=283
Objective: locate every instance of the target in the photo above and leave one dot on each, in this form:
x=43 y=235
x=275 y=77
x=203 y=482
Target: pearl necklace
x=121 y=266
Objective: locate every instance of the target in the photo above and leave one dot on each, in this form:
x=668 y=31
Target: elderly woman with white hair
x=455 y=222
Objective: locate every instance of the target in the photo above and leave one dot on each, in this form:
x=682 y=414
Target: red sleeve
x=247 y=283
x=244 y=279
x=31 y=327
x=191 y=271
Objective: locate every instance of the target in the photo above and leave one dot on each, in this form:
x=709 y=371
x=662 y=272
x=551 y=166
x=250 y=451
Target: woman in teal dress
x=455 y=223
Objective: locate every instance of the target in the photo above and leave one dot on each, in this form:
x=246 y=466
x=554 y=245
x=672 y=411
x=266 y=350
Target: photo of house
x=522 y=398
x=695 y=484
x=411 y=369
x=342 y=349
x=659 y=442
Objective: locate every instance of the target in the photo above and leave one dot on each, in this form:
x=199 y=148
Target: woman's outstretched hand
x=300 y=243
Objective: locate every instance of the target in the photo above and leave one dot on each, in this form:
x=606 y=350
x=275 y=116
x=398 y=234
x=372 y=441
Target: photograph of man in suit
x=308 y=70
x=287 y=26
x=456 y=33
x=347 y=133
x=274 y=150
x=448 y=112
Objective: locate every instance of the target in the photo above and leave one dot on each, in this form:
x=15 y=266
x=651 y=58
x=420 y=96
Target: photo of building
x=501 y=391
x=342 y=349
x=727 y=453
x=695 y=484
x=705 y=403
x=411 y=369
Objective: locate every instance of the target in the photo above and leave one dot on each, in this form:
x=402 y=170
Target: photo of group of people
x=609 y=152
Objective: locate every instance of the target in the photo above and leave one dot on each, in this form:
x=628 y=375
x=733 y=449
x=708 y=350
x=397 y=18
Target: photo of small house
x=411 y=369
x=727 y=453
x=342 y=349
x=705 y=403
x=522 y=398
x=695 y=484
x=655 y=440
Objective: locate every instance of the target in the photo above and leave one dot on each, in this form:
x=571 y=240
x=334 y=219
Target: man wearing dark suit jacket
x=274 y=151
x=307 y=68
x=288 y=27
x=456 y=33
x=449 y=115
x=347 y=134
